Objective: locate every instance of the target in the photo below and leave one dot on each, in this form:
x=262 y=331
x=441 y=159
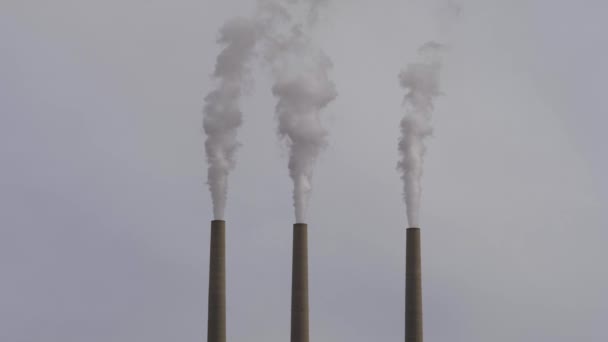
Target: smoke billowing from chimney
x=301 y=85
x=421 y=81
x=301 y=96
x=222 y=115
x=302 y=88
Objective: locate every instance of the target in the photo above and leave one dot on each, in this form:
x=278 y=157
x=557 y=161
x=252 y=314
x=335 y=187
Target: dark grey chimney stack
x=299 y=284
x=413 y=287
x=216 y=320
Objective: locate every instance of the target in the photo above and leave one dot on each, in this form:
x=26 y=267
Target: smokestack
x=216 y=320
x=299 y=284
x=413 y=287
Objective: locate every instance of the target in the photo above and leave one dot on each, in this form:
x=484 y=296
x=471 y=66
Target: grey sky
x=104 y=214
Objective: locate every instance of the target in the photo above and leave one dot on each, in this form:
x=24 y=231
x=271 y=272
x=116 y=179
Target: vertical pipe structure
x=413 y=287
x=299 y=284
x=216 y=319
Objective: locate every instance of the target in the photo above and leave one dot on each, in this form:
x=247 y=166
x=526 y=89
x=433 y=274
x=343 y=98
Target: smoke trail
x=301 y=96
x=421 y=81
x=422 y=84
x=302 y=88
x=222 y=115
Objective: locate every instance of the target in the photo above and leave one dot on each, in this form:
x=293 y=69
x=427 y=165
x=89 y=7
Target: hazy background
x=104 y=213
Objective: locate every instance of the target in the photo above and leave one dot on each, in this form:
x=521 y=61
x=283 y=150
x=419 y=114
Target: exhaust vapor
x=222 y=115
x=301 y=86
x=421 y=81
x=303 y=89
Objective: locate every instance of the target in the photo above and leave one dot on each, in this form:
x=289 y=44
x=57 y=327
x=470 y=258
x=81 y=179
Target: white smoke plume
x=222 y=115
x=302 y=87
x=421 y=81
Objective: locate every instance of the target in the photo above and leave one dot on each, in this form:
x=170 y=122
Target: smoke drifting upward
x=301 y=85
x=421 y=81
x=302 y=88
x=301 y=96
x=222 y=115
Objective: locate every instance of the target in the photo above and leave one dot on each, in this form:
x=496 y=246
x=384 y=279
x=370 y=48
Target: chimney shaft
x=299 y=284
x=216 y=320
x=413 y=287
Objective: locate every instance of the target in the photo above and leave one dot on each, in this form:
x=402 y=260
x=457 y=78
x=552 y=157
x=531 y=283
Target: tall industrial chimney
x=299 y=284
x=216 y=320
x=413 y=287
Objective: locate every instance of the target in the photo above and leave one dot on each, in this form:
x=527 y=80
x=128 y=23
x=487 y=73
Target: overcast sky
x=104 y=211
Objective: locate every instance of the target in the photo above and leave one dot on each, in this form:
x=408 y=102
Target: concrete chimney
x=299 y=284
x=216 y=320
x=413 y=287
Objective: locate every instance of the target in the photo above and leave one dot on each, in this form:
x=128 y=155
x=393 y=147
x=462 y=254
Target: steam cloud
x=301 y=85
x=222 y=115
x=421 y=81
x=302 y=88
